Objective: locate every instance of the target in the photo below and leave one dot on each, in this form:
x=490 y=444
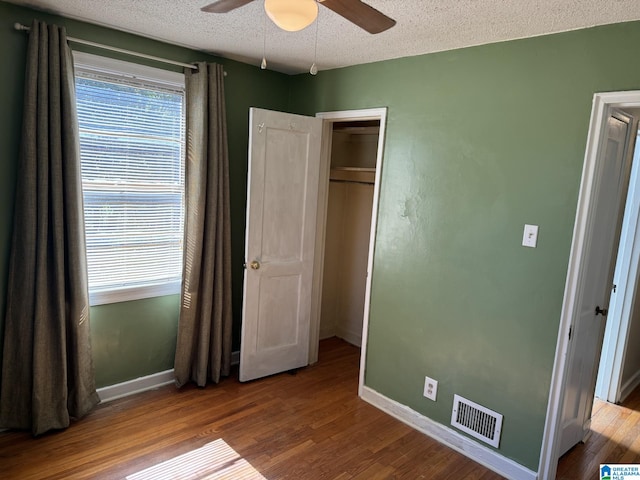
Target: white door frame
x=602 y=104
x=325 y=164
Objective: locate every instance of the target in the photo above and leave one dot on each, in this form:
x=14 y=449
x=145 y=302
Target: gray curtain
x=203 y=350
x=47 y=368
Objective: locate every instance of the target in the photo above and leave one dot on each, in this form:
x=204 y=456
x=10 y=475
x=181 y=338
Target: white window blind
x=132 y=145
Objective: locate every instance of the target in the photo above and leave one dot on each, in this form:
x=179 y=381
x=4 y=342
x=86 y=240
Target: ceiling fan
x=356 y=11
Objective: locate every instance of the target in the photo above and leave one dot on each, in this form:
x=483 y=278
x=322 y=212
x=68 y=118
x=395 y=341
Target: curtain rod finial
x=19 y=26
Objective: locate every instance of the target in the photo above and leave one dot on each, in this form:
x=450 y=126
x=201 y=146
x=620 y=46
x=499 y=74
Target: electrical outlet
x=430 y=388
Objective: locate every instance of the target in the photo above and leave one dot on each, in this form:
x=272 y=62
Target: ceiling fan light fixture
x=291 y=15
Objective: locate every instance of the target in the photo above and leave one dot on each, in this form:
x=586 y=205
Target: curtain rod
x=19 y=26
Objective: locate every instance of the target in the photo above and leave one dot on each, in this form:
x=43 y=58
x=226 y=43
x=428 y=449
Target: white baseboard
x=467 y=447
x=142 y=384
x=137 y=385
x=350 y=337
x=629 y=386
x=326 y=332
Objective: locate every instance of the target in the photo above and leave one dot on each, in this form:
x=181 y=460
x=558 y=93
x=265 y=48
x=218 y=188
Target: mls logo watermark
x=619 y=472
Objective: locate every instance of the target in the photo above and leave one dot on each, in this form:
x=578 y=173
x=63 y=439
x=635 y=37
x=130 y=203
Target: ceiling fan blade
x=224 y=6
x=361 y=14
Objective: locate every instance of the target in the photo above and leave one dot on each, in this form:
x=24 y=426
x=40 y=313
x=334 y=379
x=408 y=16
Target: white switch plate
x=430 y=388
x=530 y=236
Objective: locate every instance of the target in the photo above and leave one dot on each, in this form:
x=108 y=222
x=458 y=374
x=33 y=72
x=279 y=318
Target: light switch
x=530 y=236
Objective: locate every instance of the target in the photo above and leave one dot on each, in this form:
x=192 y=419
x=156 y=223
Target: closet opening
x=351 y=164
x=350 y=197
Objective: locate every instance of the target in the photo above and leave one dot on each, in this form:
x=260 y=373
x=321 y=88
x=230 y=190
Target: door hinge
x=570 y=330
x=614 y=288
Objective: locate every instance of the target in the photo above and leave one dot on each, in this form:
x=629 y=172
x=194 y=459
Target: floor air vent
x=476 y=420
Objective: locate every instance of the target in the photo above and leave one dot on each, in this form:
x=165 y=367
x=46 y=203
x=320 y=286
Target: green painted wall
x=130 y=339
x=479 y=142
x=133 y=339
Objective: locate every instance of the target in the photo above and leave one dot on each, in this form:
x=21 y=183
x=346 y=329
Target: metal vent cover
x=476 y=420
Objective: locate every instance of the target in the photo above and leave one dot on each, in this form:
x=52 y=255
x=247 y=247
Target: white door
x=587 y=330
x=282 y=196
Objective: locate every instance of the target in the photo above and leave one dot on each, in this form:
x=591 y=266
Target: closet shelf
x=353 y=174
x=355 y=169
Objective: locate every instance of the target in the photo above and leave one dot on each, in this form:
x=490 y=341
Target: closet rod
x=19 y=26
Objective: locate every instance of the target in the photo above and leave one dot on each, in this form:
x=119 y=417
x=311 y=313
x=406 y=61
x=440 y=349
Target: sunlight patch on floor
x=213 y=461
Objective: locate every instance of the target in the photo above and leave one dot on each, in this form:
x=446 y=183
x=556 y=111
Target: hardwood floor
x=615 y=438
x=310 y=425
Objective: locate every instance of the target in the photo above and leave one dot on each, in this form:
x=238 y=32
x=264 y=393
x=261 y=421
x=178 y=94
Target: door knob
x=601 y=311
x=255 y=265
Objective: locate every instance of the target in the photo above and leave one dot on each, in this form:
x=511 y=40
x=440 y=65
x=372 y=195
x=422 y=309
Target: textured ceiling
x=423 y=27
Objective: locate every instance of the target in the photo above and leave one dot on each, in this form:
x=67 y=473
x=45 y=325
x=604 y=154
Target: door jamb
x=329 y=118
x=602 y=104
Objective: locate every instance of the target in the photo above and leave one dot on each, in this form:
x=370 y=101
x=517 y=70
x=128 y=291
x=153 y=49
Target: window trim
x=154 y=77
x=126 y=294
x=108 y=65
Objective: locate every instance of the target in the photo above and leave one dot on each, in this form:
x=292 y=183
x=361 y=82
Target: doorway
x=287 y=205
x=585 y=228
x=348 y=227
x=619 y=368
x=617 y=372
x=350 y=172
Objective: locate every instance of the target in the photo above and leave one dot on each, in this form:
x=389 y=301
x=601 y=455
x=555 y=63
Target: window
x=131 y=121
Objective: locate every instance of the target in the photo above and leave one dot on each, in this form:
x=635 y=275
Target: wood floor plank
x=310 y=425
